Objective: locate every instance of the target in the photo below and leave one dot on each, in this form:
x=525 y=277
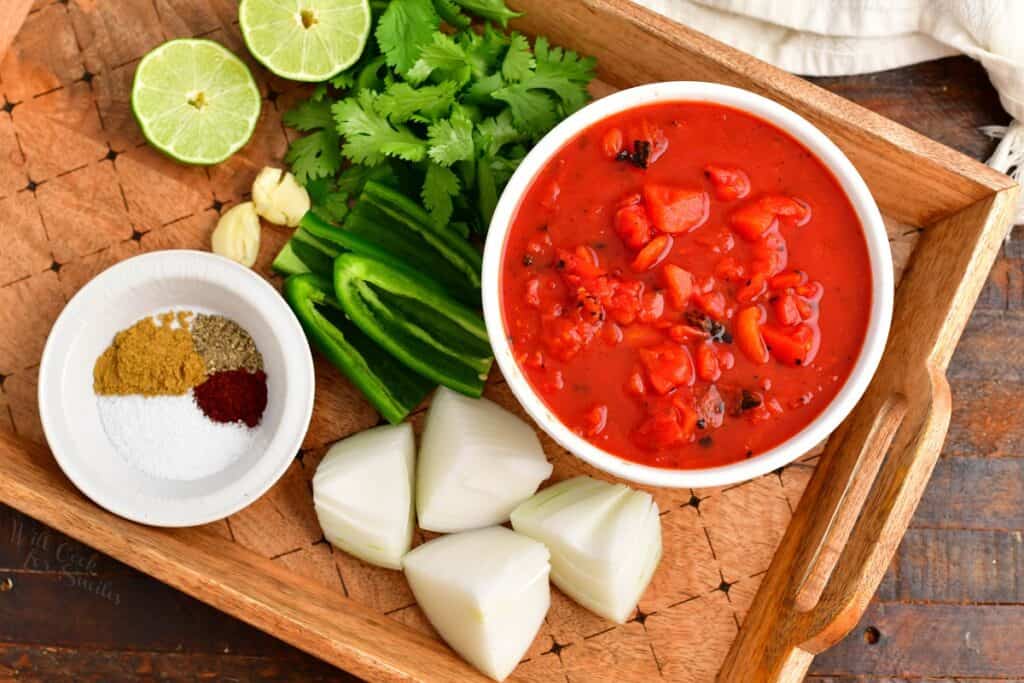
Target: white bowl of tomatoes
x=687 y=284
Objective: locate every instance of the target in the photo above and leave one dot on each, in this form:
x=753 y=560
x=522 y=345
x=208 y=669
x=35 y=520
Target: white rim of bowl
x=59 y=447
x=848 y=178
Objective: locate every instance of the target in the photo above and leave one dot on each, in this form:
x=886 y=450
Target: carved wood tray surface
x=80 y=190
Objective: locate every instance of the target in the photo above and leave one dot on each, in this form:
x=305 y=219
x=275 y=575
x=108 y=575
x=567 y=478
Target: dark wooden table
x=951 y=607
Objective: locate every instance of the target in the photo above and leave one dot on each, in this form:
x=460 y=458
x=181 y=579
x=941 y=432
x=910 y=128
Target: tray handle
x=843 y=533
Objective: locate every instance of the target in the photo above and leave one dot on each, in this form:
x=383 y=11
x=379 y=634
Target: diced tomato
x=611 y=333
x=652 y=254
x=729 y=182
x=652 y=307
x=660 y=430
x=640 y=336
x=706 y=363
x=633 y=226
x=611 y=143
x=726 y=360
x=752 y=220
x=595 y=420
x=787 y=279
x=712 y=304
x=786 y=310
x=770 y=255
x=755 y=218
x=803 y=308
x=582 y=261
x=752 y=288
x=678 y=284
x=810 y=290
x=635 y=384
x=786 y=207
x=748 y=334
x=687 y=418
x=624 y=302
x=668 y=366
x=676 y=209
x=792 y=347
x=729 y=268
x=562 y=338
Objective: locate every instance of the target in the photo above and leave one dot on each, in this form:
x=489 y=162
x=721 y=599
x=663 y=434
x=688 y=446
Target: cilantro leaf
x=352 y=180
x=480 y=90
x=518 y=62
x=443 y=55
x=497 y=131
x=309 y=115
x=451 y=139
x=483 y=50
x=535 y=112
x=451 y=13
x=439 y=186
x=370 y=136
x=404 y=29
x=563 y=72
x=327 y=202
x=400 y=101
x=316 y=155
x=343 y=81
x=495 y=10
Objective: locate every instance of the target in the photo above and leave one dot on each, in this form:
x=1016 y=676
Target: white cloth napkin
x=838 y=37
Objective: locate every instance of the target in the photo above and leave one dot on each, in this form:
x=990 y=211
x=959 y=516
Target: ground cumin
x=151 y=359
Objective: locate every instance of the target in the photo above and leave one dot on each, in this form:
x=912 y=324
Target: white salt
x=169 y=437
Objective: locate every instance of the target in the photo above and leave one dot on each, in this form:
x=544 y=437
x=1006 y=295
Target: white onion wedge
x=477 y=462
x=485 y=591
x=362 y=492
x=605 y=541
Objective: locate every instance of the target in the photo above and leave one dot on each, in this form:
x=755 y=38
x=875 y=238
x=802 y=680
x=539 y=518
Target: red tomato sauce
x=685 y=285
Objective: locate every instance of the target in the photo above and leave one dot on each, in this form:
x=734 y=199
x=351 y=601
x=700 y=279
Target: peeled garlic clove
x=237 y=235
x=279 y=198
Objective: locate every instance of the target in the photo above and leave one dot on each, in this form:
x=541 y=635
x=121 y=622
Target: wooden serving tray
x=756 y=578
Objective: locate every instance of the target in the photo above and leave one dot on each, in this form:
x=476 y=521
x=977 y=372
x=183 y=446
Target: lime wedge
x=195 y=101
x=305 y=40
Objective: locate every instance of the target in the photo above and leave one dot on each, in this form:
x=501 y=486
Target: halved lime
x=305 y=40
x=195 y=101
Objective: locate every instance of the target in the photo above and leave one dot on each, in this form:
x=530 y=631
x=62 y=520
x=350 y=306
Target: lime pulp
x=305 y=40
x=195 y=100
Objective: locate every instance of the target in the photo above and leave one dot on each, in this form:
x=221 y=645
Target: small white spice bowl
x=117 y=298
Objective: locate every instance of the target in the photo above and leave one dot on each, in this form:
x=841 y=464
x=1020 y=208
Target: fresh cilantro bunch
x=444 y=109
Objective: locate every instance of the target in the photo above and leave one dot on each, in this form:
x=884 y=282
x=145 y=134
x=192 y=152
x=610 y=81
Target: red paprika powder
x=233 y=396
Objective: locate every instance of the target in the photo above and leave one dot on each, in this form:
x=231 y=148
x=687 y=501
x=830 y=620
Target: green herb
x=455 y=108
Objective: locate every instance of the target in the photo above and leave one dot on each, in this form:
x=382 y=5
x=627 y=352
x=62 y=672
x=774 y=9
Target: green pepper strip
x=395 y=237
x=377 y=298
x=449 y=243
x=390 y=387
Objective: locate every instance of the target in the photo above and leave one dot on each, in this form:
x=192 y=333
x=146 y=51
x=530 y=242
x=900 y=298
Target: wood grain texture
x=717 y=548
x=11 y=20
